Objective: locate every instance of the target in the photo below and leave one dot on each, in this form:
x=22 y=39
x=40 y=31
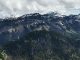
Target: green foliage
x=1 y=56
x=44 y=45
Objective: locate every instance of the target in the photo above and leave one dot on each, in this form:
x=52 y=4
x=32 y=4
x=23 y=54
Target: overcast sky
x=20 y=7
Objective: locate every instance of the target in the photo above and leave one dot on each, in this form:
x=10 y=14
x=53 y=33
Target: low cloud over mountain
x=20 y=7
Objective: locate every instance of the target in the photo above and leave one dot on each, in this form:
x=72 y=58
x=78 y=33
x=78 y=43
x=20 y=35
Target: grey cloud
x=68 y=5
x=41 y=4
x=4 y=8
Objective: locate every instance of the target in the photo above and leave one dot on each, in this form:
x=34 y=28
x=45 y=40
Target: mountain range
x=35 y=36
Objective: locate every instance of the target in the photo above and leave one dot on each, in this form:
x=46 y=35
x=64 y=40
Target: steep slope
x=41 y=37
x=43 y=45
x=14 y=28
